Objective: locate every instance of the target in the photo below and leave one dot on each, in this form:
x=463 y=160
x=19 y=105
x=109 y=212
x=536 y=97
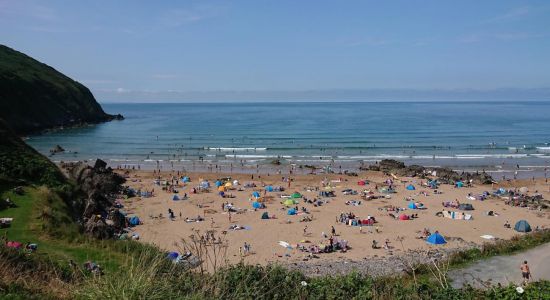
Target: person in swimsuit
x=525 y=272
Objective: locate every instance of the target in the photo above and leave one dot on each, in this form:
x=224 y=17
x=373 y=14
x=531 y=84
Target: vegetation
x=34 y=96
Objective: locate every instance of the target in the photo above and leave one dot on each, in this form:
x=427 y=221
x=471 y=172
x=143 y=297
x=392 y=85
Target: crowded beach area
x=290 y=218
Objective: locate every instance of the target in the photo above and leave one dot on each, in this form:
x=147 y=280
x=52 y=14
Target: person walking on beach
x=525 y=272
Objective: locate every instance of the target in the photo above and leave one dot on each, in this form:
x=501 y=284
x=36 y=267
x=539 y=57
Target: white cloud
x=510 y=15
x=163 y=76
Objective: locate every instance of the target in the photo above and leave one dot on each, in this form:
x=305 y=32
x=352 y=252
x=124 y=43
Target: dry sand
x=264 y=235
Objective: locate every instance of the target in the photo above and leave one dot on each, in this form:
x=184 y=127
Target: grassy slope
x=35 y=96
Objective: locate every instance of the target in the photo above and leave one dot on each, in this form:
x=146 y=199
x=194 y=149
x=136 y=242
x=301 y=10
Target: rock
x=57 y=149
x=97 y=188
x=100 y=164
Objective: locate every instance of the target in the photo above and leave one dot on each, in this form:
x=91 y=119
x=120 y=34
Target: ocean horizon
x=477 y=135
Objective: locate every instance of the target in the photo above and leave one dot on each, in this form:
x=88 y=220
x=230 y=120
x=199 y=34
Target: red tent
x=403 y=217
x=15 y=245
x=361 y=182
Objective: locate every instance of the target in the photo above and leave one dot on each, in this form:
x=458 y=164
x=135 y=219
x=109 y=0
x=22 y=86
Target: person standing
x=525 y=272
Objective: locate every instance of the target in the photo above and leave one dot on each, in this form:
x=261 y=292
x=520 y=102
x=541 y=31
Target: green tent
x=290 y=202
x=296 y=195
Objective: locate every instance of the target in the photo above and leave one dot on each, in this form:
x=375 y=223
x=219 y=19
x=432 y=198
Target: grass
x=58 y=237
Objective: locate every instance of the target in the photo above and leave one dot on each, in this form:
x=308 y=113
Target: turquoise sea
x=496 y=136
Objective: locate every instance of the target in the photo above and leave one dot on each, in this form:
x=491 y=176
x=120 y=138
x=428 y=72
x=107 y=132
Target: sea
x=504 y=138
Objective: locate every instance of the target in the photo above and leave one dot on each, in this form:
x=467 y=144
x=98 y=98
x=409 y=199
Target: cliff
x=35 y=96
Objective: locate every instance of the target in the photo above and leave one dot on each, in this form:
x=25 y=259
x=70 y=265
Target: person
x=374 y=244
x=305 y=230
x=333 y=230
x=525 y=272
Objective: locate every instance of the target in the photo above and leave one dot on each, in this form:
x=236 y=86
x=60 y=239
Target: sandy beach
x=264 y=235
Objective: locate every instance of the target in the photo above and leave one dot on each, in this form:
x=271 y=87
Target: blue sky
x=216 y=50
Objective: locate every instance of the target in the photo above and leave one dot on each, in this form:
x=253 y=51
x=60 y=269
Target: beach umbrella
x=412 y=205
x=411 y=187
x=256 y=194
x=296 y=195
x=256 y=204
x=459 y=184
x=522 y=226
x=185 y=179
x=228 y=184
x=218 y=183
x=436 y=239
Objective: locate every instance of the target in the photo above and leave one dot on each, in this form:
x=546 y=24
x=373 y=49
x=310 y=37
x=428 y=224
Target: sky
x=164 y=51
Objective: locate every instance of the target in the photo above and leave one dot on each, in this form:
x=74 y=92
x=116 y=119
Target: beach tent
x=269 y=188
x=205 y=184
x=522 y=226
x=256 y=194
x=459 y=184
x=403 y=217
x=185 y=179
x=436 y=239
x=133 y=221
x=296 y=195
x=221 y=188
x=291 y=212
x=218 y=183
x=265 y=216
x=289 y=202
x=411 y=187
x=361 y=182
x=235 y=182
x=15 y=245
x=465 y=206
x=412 y=205
x=256 y=204
x=172 y=255
x=228 y=184
x=175 y=198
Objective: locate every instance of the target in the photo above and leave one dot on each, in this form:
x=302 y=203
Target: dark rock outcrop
x=98 y=187
x=444 y=175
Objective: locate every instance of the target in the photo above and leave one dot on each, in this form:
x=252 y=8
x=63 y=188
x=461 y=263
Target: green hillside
x=35 y=96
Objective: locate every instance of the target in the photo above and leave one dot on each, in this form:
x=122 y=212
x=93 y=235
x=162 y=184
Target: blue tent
x=412 y=205
x=185 y=179
x=205 y=184
x=256 y=194
x=269 y=188
x=218 y=183
x=256 y=204
x=522 y=226
x=172 y=255
x=436 y=239
x=459 y=184
x=411 y=187
x=175 y=198
x=133 y=221
x=291 y=212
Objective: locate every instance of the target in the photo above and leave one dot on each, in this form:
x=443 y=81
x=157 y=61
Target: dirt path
x=505 y=269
